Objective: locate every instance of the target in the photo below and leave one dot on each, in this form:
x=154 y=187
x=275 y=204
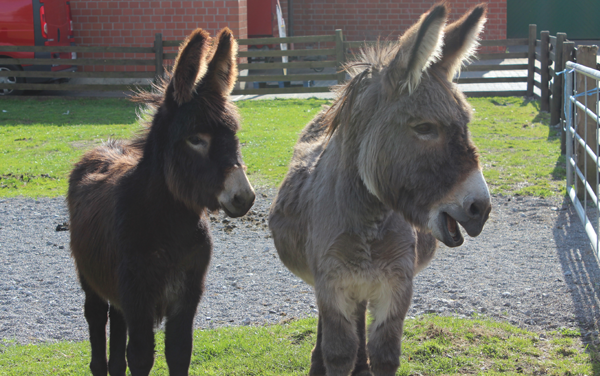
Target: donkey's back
x=93 y=187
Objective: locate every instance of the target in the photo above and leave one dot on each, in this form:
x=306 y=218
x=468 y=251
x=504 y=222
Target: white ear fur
x=428 y=51
x=462 y=40
x=419 y=47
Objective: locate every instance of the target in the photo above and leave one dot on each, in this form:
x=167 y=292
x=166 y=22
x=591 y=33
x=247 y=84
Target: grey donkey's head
x=410 y=125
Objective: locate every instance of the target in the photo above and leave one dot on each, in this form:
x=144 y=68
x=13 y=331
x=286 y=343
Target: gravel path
x=532 y=266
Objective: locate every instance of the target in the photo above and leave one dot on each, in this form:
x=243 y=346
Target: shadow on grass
x=581 y=272
x=560 y=171
x=534 y=102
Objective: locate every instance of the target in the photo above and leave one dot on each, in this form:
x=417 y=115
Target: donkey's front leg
x=138 y=310
x=385 y=332
x=317 y=366
x=340 y=341
x=117 y=365
x=140 y=349
x=179 y=331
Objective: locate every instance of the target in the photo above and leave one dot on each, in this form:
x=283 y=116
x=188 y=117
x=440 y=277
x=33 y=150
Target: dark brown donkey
x=374 y=182
x=139 y=230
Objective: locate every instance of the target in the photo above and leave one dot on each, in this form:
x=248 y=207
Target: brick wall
x=369 y=19
x=135 y=22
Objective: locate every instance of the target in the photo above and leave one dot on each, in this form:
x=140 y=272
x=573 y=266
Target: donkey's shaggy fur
x=373 y=182
x=139 y=225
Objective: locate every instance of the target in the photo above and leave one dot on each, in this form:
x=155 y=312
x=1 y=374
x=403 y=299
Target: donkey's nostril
x=480 y=209
x=474 y=210
x=238 y=201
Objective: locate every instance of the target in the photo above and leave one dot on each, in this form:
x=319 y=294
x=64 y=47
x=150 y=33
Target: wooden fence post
x=531 y=59
x=340 y=56
x=586 y=55
x=567 y=55
x=544 y=58
x=557 y=87
x=158 y=57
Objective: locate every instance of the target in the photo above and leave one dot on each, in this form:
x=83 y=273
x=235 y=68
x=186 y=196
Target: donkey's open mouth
x=468 y=205
x=452 y=236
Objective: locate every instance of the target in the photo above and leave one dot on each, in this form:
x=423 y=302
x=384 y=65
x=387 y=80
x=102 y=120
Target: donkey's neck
x=148 y=191
x=360 y=208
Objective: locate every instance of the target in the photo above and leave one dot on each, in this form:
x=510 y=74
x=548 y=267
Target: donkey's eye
x=425 y=129
x=196 y=141
x=199 y=142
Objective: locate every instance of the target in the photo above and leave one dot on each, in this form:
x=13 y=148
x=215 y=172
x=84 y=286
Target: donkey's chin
x=232 y=213
x=237 y=209
x=446 y=229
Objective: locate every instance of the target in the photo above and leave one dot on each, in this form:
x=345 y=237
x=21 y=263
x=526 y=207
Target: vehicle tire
x=13 y=80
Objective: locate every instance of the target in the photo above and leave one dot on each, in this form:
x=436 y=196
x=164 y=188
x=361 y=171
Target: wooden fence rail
x=315 y=60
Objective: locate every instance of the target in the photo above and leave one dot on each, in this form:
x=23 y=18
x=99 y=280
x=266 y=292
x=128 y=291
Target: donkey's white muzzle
x=469 y=205
x=238 y=195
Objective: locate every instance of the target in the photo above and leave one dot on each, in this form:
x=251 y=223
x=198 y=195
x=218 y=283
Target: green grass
x=41 y=139
x=520 y=153
x=270 y=130
x=432 y=345
x=40 y=142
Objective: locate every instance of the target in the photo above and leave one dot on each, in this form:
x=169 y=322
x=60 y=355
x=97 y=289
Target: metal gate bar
x=573 y=110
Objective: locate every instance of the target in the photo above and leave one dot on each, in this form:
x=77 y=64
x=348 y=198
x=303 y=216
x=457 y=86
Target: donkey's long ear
x=419 y=46
x=222 y=69
x=462 y=39
x=190 y=65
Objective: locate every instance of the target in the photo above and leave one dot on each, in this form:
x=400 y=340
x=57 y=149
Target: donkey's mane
x=371 y=58
x=152 y=99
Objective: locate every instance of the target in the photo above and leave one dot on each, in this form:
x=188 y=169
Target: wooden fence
x=265 y=73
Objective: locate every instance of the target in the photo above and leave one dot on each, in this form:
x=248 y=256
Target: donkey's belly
x=290 y=240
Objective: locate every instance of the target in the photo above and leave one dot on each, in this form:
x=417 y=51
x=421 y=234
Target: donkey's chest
x=374 y=254
x=174 y=258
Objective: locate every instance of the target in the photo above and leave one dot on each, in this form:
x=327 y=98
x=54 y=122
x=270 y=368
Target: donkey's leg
x=138 y=308
x=179 y=334
x=317 y=367
x=96 y=314
x=140 y=349
x=385 y=333
x=117 y=365
x=339 y=342
x=362 y=360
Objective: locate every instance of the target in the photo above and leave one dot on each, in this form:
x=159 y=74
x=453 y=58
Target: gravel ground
x=532 y=266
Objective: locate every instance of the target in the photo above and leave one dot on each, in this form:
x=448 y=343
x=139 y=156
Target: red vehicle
x=35 y=23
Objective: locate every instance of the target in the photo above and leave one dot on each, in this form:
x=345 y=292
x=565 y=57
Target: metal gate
x=581 y=125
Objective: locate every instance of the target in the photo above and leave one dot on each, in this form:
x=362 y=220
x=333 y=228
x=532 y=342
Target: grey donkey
x=374 y=182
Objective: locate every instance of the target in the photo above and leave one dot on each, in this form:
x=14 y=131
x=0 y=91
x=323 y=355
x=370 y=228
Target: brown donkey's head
x=193 y=132
x=410 y=125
